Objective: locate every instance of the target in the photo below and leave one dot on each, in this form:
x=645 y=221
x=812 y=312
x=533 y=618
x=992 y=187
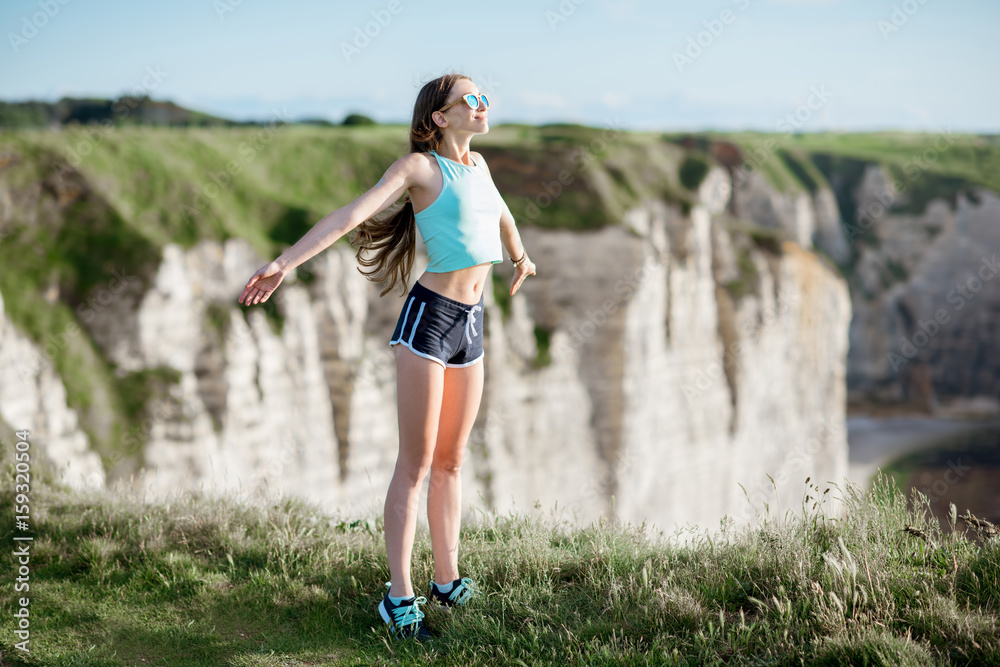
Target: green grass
x=115 y=581
x=969 y=157
x=922 y=159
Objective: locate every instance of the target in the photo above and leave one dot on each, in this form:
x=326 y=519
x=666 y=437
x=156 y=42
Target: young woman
x=438 y=341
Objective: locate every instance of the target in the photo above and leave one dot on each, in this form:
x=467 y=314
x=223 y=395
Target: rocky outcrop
x=918 y=251
x=757 y=200
x=926 y=298
x=33 y=399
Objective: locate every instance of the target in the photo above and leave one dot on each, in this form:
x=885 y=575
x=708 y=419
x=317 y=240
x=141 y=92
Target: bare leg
x=419 y=384
x=463 y=389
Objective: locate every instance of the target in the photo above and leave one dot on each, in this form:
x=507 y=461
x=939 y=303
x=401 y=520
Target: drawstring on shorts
x=470 y=321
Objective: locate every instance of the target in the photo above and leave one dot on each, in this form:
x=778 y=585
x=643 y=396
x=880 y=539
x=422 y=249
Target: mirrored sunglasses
x=469 y=99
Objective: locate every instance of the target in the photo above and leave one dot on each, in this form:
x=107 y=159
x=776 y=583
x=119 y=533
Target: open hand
x=262 y=284
x=523 y=270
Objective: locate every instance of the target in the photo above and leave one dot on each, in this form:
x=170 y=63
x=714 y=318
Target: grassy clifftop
x=116 y=581
x=923 y=166
x=270 y=184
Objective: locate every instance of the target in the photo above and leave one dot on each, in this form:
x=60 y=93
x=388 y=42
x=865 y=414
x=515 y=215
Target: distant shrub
x=693 y=171
x=542 y=345
x=358 y=119
x=321 y=122
x=565 y=126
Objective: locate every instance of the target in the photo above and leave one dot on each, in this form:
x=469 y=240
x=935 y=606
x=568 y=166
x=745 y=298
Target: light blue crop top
x=461 y=228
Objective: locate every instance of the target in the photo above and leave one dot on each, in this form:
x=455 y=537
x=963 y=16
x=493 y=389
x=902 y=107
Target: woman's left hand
x=523 y=270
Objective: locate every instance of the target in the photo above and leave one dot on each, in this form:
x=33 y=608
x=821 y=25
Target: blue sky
x=838 y=64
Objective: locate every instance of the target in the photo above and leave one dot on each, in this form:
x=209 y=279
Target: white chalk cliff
x=682 y=362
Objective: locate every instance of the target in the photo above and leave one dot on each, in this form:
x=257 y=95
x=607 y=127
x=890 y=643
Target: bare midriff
x=464 y=285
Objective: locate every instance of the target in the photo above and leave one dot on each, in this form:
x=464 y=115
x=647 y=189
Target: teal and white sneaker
x=405 y=619
x=458 y=592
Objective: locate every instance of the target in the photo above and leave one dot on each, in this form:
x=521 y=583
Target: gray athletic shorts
x=436 y=327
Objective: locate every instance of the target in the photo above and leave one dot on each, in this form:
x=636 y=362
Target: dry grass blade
x=981 y=526
x=916 y=532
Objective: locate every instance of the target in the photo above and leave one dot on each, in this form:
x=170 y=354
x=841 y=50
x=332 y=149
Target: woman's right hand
x=262 y=284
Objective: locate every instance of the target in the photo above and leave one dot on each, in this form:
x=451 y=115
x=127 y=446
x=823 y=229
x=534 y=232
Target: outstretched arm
x=512 y=241
x=397 y=179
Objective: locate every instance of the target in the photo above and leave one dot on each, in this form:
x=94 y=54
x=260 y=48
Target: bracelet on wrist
x=524 y=256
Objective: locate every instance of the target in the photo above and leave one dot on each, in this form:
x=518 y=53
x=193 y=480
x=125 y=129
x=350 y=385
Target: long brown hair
x=391 y=237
